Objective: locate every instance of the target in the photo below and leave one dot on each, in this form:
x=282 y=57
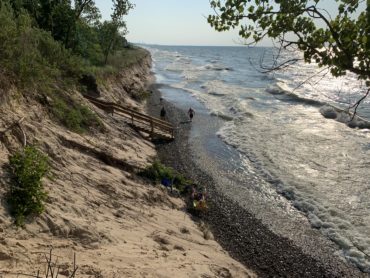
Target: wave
x=285 y=95
x=213 y=61
x=222 y=116
x=329 y=111
x=174 y=69
x=182 y=86
x=214 y=93
x=218 y=68
x=240 y=99
x=344 y=116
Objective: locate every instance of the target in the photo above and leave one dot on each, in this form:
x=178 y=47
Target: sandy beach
x=246 y=238
x=118 y=224
x=99 y=211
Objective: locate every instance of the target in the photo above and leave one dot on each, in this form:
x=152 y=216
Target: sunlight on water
x=276 y=122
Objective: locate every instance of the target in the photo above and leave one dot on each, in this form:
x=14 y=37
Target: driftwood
x=15 y=125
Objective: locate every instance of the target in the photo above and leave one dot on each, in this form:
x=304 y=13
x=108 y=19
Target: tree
x=32 y=6
x=76 y=24
x=341 y=42
x=85 y=11
x=63 y=21
x=111 y=30
x=88 y=7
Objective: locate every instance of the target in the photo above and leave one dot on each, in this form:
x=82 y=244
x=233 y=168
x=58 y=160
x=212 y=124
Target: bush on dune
x=194 y=195
x=27 y=195
x=157 y=172
x=31 y=54
x=76 y=117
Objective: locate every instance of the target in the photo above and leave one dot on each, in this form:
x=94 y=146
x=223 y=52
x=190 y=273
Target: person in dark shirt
x=191 y=114
x=163 y=113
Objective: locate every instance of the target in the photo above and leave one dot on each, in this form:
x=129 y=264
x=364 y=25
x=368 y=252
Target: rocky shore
x=246 y=238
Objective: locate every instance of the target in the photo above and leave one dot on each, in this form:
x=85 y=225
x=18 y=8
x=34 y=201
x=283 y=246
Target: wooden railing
x=143 y=122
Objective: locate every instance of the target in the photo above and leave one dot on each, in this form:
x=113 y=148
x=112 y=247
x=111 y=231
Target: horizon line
x=200 y=45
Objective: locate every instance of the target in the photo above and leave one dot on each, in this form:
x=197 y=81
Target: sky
x=171 y=22
x=179 y=22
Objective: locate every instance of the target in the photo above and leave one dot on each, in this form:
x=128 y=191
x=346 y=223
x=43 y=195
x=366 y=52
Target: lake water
x=271 y=140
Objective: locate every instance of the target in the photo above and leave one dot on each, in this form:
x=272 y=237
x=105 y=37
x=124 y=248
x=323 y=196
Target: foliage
x=118 y=61
x=31 y=55
x=157 y=171
x=74 y=24
x=126 y=57
x=87 y=44
x=27 y=194
x=194 y=195
x=112 y=31
x=48 y=45
x=74 y=116
x=140 y=95
x=340 y=42
x=107 y=36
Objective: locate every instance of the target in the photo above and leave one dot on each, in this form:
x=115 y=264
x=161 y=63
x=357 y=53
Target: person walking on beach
x=163 y=113
x=191 y=114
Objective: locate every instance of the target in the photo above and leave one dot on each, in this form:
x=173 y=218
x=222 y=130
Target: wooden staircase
x=153 y=126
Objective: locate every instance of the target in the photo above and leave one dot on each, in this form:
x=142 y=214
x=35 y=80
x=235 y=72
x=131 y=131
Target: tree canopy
x=51 y=49
x=76 y=24
x=339 y=41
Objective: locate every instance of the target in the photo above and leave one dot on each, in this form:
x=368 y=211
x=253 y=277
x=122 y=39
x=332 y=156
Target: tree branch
x=82 y=7
x=358 y=102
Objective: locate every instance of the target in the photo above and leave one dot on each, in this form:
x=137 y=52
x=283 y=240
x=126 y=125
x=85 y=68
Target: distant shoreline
x=240 y=233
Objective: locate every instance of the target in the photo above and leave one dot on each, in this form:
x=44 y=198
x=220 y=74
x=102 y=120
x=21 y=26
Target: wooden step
x=153 y=126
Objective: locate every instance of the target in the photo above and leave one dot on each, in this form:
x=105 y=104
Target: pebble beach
x=235 y=227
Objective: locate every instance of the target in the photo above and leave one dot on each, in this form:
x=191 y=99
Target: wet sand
x=238 y=231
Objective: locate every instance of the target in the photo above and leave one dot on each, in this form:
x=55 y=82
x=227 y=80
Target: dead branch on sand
x=13 y=125
x=53 y=269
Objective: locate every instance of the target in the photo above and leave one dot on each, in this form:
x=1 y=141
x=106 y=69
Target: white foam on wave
x=191 y=74
x=216 y=67
x=176 y=66
x=220 y=88
x=310 y=82
x=220 y=99
x=339 y=228
x=344 y=116
x=197 y=73
x=328 y=207
x=322 y=165
x=213 y=104
x=350 y=236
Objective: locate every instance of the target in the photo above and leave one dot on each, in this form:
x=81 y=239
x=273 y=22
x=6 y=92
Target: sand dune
x=116 y=223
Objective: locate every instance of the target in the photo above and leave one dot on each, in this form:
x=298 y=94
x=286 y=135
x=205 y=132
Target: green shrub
x=194 y=195
x=74 y=116
x=141 y=95
x=157 y=171
x=27 y=195
x=126 y=57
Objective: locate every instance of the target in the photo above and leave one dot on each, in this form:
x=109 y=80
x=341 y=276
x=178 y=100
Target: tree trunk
x=109 y=48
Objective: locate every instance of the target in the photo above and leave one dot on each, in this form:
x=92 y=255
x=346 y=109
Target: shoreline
x=244 y=236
